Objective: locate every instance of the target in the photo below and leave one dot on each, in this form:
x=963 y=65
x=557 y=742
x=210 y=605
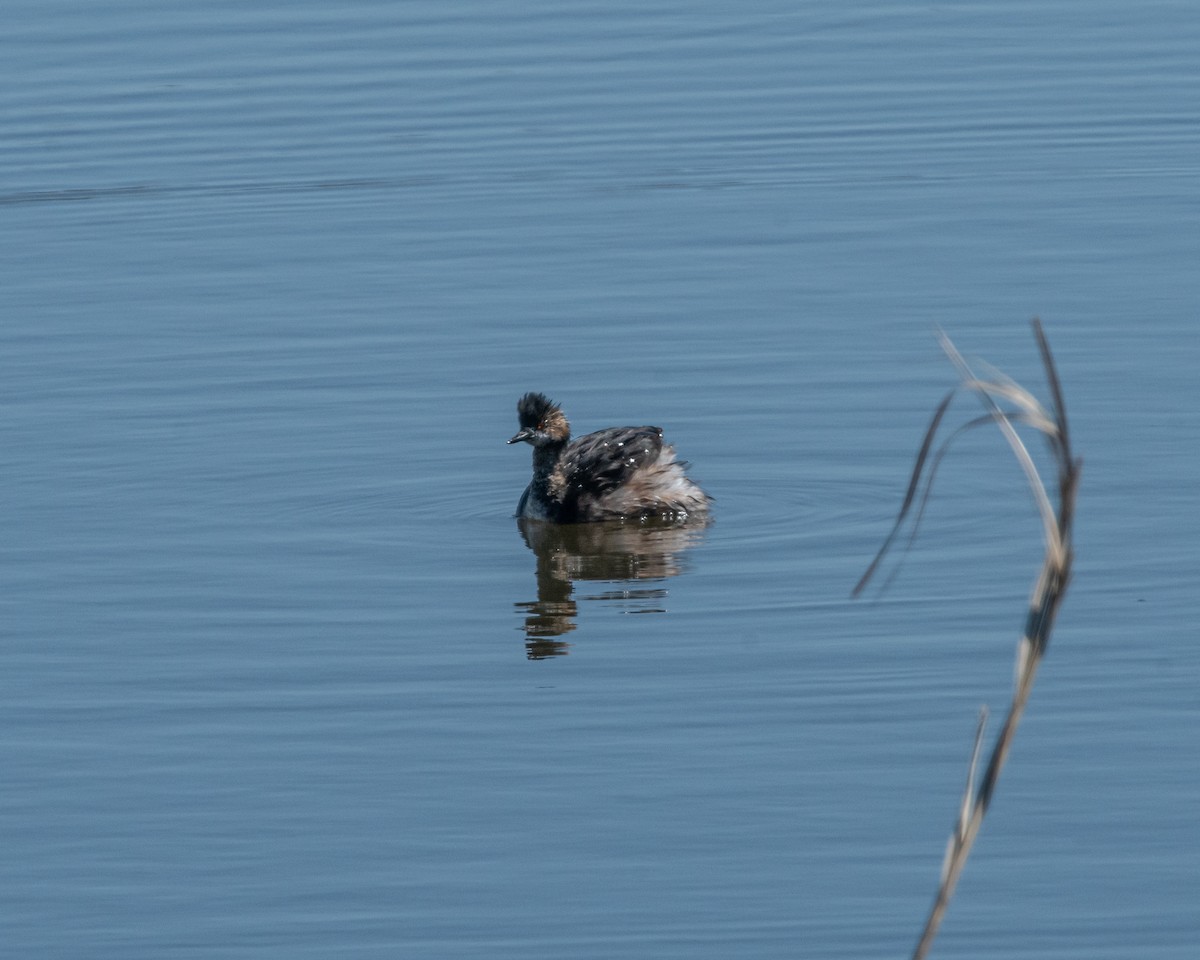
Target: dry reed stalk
x=1049 y=588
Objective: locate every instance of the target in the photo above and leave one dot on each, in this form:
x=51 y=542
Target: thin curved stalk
x=1049 y=588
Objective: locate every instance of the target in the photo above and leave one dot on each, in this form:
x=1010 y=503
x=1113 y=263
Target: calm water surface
x=280 y=676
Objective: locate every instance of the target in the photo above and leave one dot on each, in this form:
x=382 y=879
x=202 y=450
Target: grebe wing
x=601 y=461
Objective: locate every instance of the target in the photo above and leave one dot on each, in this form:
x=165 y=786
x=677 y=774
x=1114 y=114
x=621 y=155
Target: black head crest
x=533 y=409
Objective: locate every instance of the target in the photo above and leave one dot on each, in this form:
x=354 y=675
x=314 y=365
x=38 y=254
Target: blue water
x=279 y=675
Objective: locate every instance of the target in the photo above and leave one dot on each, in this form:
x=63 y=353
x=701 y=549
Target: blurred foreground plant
x=1057 y=510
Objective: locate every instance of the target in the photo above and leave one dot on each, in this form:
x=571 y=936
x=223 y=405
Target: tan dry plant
x=1021 y=408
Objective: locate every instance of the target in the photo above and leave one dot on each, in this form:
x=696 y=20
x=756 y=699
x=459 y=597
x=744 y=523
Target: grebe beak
x=526 y=435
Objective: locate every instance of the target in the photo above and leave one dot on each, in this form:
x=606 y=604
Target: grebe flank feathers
x=614 y=474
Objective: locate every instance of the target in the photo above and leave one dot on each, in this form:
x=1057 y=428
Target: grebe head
x=541 y=420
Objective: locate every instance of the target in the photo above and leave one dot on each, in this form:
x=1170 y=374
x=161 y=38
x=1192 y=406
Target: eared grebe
x=614 y=474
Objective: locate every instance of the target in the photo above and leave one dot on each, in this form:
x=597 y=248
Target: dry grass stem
x=1056 y=507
